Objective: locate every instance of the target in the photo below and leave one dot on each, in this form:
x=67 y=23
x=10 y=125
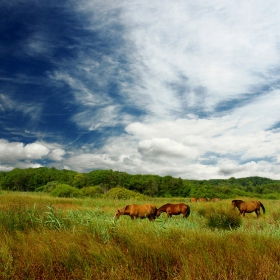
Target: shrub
x=64 y=190
x=202 y=212
x=274 y=196
x=222 y=219
x=123 y=193
x=93 y=191
x=275 y=216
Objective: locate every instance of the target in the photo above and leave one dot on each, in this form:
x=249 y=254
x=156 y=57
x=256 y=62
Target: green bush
x=123 y=193
x=272 y=196
x=64 y=190
x=93 y=191
x=222 y=219
x=202 y=212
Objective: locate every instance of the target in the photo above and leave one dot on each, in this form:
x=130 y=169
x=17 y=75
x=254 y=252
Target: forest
x=34 y=179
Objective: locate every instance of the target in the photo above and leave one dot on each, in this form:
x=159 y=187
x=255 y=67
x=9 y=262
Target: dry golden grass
x=49 y=238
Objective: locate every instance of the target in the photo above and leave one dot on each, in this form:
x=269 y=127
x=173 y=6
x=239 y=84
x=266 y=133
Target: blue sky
x=183 y=88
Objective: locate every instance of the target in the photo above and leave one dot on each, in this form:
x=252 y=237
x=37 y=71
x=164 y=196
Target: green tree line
x=152 y=185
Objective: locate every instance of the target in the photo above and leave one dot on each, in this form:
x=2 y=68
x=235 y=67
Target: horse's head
x=158 y=213
x=117 y=214
x=233 y=204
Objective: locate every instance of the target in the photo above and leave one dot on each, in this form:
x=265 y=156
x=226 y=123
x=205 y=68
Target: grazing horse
x=193 y=199
x=138 y=211
x=202 y=199
x=248 y=207
x=214 y=199
x=174 y=209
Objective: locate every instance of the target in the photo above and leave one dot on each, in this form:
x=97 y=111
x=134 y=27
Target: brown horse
x=138 y=211
x=193 y=199
x=215 y=199
x=202 y=199
x=248 y=207
x=174 y=209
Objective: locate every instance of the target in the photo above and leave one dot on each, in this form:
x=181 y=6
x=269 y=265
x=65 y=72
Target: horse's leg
x=151 y=217
x=243 y=213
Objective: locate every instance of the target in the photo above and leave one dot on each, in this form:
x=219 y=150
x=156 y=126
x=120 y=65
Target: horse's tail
x=262 y=207
x=188 y=211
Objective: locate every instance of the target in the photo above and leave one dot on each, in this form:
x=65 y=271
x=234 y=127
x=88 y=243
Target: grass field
x=54 y=238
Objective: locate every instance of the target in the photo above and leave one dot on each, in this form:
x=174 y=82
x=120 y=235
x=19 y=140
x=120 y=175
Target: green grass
x=71 y=238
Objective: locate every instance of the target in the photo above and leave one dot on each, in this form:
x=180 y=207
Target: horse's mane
x=167 y=204
x=237 y=201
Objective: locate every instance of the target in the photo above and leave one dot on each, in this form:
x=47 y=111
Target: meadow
x=43 y=237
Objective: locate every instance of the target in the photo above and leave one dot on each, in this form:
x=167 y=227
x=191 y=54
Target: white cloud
x=181 y=57
x=226 y=48
x=35 y=151
x=19 y=155
x=108 y=116
x=21 y=165
x=10 y=151
x=5 y=102
x=230 y=168
x=91 y=161
x=56 y=154
x=83 y=94
x=6 y=168
x=158 y=147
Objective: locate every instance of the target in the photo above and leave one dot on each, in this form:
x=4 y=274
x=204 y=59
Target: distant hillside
x=152 y=185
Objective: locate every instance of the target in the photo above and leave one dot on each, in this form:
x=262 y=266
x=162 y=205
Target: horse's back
x=183 y=205
x=254 y=205
x=249 y=206
x=142 y=210
x=177 y=209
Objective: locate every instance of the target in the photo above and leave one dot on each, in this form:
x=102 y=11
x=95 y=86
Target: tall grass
x=50 y=238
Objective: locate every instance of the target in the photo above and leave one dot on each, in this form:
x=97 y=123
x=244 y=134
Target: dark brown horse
x=215 y=199
x=174 y=209
x=202 y=199
x=248 y=207
x=138 y=211
x=193 y=199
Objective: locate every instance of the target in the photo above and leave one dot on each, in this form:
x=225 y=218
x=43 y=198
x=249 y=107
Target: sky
x=189 y=89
